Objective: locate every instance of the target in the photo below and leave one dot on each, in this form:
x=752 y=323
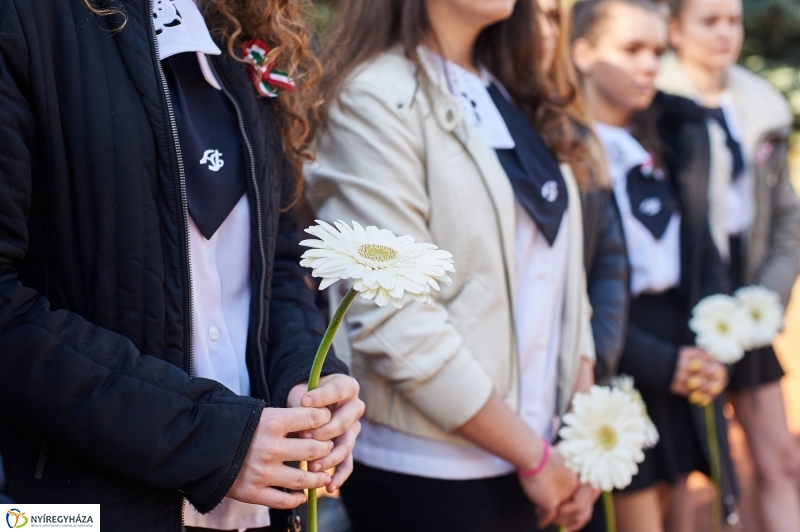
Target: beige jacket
x=773 y=241
x=398 y=155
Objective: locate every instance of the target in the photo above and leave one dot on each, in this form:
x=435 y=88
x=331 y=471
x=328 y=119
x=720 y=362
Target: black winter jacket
x=95 y=294
x=606 y=264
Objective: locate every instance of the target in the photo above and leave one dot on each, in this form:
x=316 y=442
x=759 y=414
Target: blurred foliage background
x=772 y=49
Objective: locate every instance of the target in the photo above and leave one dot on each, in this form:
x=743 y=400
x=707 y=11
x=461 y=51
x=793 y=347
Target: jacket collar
x=447 y=112
x=769 y=116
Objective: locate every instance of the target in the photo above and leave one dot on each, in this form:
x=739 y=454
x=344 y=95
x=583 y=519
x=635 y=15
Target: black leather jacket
x=95 y=294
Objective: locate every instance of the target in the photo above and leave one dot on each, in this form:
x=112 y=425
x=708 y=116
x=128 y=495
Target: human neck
x=709 y=82
x=604 y=111
x=451 y=38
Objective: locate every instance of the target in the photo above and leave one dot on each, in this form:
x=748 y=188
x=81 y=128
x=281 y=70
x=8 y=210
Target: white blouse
x=655 y=263
x=738 y=207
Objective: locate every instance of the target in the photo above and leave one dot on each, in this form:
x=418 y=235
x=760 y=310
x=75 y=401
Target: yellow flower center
x=756 y=315
x=377 y=252
x=607 y=437
x=723 y=327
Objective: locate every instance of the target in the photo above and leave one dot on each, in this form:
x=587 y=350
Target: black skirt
x=757 y=368
x=760 y=366
x=378 y=500
x=679 y=450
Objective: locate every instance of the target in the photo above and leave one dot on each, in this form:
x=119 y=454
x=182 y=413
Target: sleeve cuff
x=244 y=445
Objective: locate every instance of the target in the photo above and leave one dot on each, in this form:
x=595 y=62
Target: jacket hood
x=760 y=108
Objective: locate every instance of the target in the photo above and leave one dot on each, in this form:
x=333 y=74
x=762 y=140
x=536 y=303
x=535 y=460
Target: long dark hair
x=510 y=50
x=588 y=18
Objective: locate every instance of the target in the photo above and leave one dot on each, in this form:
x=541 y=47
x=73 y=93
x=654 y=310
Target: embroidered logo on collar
x=165 y=15
x=650 y=206
x=550 y=191
x=648 y=166
x=214 y=160
x=268 y=80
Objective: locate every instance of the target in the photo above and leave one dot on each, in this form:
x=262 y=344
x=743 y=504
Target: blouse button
x=213 y=333
x=450 y=116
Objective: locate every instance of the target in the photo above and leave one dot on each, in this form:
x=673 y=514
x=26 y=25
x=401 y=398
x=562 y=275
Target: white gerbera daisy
x=765 y=310
x=722 y=327
x=383 y=267
x=603 y=438
x=625 y=383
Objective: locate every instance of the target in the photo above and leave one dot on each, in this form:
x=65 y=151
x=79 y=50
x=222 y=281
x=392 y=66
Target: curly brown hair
x=281 y=24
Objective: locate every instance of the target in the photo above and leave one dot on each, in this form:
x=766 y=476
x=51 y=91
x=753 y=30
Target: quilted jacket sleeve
x=608 y=287
x=80 y=384
x=296 y=325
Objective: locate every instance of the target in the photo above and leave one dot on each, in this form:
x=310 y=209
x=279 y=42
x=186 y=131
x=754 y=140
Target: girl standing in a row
x=754 y=217
x=657 y=149
x=433 y=131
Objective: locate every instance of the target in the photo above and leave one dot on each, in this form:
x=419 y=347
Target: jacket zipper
x=41 y=459
x=260 y=233
x=184 y=203
x=185 y=210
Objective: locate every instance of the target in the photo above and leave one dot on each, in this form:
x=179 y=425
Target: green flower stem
x=313 y=382
x=611 y=516
x=713 y=451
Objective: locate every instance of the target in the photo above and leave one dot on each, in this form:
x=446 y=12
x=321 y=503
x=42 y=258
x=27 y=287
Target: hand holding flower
x=264 y=468
x=604 y=438
x=338 y=393
x=698 y=375
x=384 y=269
x=577 y=512
x=554 y=485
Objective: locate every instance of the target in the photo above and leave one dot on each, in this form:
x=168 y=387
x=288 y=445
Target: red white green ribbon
x=268 y=80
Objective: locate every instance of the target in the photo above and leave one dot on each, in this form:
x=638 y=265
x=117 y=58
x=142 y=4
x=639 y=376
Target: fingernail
x=305 y=401
x=307 y=435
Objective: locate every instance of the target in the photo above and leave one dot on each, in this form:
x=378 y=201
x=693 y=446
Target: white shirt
x=537 y=308
x=220 y=271
x=655 y=263
x=738 y=215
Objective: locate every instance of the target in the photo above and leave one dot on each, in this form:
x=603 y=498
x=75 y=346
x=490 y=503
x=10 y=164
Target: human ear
x=675 y=33
x=583 y=55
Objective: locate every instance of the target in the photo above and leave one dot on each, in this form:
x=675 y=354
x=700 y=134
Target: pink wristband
x=528 y=473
